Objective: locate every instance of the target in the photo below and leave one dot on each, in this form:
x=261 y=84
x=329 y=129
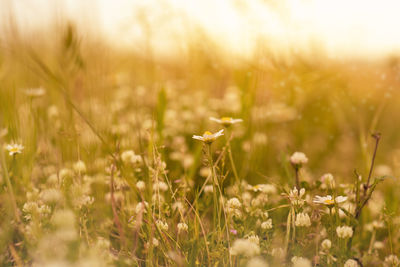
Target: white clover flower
x=256 y=262
x=205 y=171
x=298 y=158
x=209 y=137
x=244 y=247
x=265 y=188
x=129 y=157
x=296 y=196
x=378 y=224
x=178 y=205
x=182 y=227
x=141 y=186
x=226 y=121
x=344 y=231
x=328 y=180
x=51 y=195
x=351 y=263
x=392 y=261
x=328 y=200
x=79 y=167
x=232 y=204
x=302 y=220
x=300 y=262
x=65 y=174
x=208 y=189
x=326 y=244
x=267 y=225
x=259 y=200
x=160 y=186
x=379 y=245
x=254 y=239
x=141 y=207
x=156 y=243
x=30 y=208
x=162 y=225
x=14 y=149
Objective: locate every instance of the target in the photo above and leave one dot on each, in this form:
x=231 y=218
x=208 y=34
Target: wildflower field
x=115 y=158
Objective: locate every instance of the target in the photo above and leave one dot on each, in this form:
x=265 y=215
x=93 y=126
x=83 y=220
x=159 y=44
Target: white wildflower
x=14 y=149
x=79 y=167
x=344 y=231
x=328 y=200
x=267 y=225
x=296 y=196
x=244 y=247
x=226 y=121
x=302 y=220
x=129 y=157
x=328 y=180
x=141 y=186
x=51 y=196
x=208 y=189
x=254 y=239
x=141 y=207
x=233 y=204
x=379 y=245
x=351 y=263
x=156 y=243
x=162 y=225
x=257 y=262
x=160 y=186
x=298 y=158
x=326 y=244
x=182 y=227
x=265 y=188
x=392 y=261
x=209 y=137
x=300 y=262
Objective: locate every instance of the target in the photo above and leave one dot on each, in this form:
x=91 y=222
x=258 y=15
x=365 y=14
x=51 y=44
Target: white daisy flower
x=328 y=200
x=209 y=137
x=226 y=121
x=14 y=149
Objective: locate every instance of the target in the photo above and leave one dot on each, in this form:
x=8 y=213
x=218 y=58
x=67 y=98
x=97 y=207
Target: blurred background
x=312 y=76
x=339 y=29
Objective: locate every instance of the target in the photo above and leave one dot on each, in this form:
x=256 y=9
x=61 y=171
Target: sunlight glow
x=339 y=28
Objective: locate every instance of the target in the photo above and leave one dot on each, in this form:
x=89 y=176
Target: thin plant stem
x=297 y=169
x=10 y=187
x=228 y=144
x=214 y=179
x=377 y=137
x=114 y=210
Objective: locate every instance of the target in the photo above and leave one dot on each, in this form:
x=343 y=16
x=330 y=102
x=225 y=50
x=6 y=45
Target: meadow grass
x=110 y=157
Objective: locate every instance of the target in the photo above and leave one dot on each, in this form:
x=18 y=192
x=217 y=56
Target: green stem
x=215 y=188
x=228 y=143
x=10 y=188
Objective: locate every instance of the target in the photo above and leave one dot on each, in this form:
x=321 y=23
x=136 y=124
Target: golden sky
x=341 y=28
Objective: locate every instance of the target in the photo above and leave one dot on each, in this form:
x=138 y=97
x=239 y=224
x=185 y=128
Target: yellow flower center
x=14 y=149
x=226 y=119
x=329 y=201
x=207 y=133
